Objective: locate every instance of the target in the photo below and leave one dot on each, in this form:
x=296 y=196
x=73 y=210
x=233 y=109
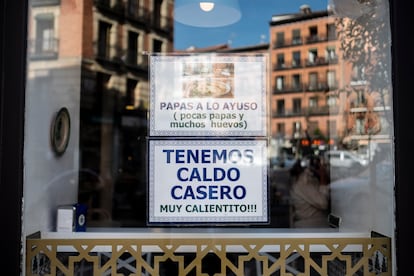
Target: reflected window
x=280 y=83
x=331 y=30
x=358 y=73
x=132 y=57
x=331 y=100
x=312 y=56
x=332 y=130
x=296 y=38
x=280 y=39
x=296 y=59
x=130 y=93
x=280 y=107
x=331 y=79
x=313 y=81
x=313 y=102
x=281 y=129
x=312 y=91
x=330 y=54
x=104 y=33
x=45 y=44
x=157 y=13
x=133 y=6
x=157 y=45
x=313 y=34
x=296 y=82
x=280 y=61
x=313 y=127
x=297 y=106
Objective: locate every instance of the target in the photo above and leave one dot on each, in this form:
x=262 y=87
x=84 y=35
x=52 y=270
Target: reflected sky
x=252 y=29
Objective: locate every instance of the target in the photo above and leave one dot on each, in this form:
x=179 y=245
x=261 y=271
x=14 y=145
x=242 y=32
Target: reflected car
x=285 y=162
x=344 y=159
x=365 y=201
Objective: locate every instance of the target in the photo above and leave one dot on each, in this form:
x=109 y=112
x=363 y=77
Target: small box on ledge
x=71 y=218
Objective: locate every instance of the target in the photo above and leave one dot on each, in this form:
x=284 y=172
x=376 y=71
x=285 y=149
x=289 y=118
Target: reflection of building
x=315 y=93
x=367 y=115
x=95 y=52
x=307 y=71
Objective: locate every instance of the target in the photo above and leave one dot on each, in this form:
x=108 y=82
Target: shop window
x=297 y=129
x=115 y=107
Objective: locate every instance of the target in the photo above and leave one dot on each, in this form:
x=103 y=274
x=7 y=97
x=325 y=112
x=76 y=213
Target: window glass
x=327 y=84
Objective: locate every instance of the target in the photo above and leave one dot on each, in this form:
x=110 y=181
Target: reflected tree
x=364 y=33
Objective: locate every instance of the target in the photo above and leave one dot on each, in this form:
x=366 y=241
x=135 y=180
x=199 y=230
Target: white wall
x=49 y=180
x=365 y=202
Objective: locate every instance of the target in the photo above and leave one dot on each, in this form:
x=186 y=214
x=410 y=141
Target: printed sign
x=213 y=181
x=208 y=95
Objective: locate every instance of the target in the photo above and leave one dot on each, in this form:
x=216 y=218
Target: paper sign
x=208 y=95
x=208 y=181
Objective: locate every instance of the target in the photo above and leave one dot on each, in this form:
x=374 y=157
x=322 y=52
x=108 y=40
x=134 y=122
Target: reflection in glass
x=327 y=91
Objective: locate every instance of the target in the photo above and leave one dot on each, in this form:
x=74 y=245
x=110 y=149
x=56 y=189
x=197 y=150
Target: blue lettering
x=236 y=175
x=225 y=192
x=189 y=193
x=201 y=192
x=179 y=174
x=168 y=152
x=173 y=192
x=212 y=192
x=204 y=174
x=242 y=192
x=208 y=192
x=180 y=156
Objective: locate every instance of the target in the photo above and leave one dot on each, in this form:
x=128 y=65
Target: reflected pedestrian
x=309 y=195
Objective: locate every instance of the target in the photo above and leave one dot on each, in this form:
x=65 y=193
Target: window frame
x=13 y=55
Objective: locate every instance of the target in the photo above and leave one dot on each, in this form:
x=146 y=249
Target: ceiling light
x=207 y=13
x=206 y=6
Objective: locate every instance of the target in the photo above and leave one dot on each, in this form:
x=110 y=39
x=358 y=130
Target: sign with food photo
x=208 y=95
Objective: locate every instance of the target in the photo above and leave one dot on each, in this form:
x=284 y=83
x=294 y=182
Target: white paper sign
x=208 y=181
x=208 y=95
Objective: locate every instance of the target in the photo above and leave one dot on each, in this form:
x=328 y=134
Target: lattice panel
x=219 y=257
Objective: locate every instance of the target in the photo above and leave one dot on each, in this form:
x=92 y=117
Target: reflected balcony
x=43 y=49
